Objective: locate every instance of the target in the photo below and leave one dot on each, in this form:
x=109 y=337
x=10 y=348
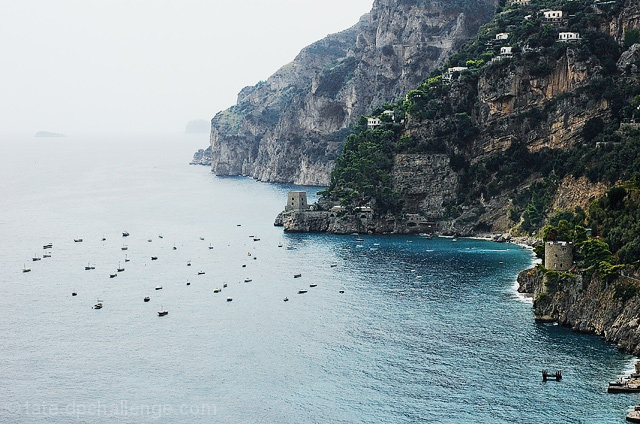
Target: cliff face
x=291 y=127
x=589 y=305
x=515 y=129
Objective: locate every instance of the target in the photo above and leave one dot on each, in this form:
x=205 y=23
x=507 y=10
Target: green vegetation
x=448 y=116
x=362 y=172
x=616 y=218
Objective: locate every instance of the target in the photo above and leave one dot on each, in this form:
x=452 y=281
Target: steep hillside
x=291 y=127
x=538 y=110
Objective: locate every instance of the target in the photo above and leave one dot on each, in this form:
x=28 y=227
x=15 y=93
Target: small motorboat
x=279 y=244
x=160 y=236
x=97 y=305
x=224 y=285
x=74 y=293
x=244 y=265
x=201 y=238
x=291 y=248
x=359 y=239
x=126 y=259
x=217 y=290
x=174 y=247
x=162 y=313
x=89 y=267
x=313 y=285
x=238 y=225
x=210 y=247
x=286 y=299
x=297 y=275
x=188 y=283
x=334 y=265
x=78 y=240
x=200 y=272
x=248 y=280
x=189 y=263
x=229 y=299
x=302 y=291
x=634 y=416
x=256 y=239
x=149 y=240
x=341 y=291
x=124 y=248
x=104 y=239
x=125 y=234
x=248 y=253
x=154 y=258
x=113 y=275
x=158 y=287
x=147 y=298
x=120 y=269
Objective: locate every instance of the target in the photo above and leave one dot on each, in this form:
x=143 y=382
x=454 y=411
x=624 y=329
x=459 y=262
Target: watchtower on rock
x=297 y=201
x=558 y=255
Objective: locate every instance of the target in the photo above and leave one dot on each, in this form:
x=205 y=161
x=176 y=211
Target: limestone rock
x=291 y=127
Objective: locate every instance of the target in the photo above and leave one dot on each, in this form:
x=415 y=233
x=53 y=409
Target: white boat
x=158 y=287
x=217 y=290
x=163 y=312
x=248 y=280
x=25 y=269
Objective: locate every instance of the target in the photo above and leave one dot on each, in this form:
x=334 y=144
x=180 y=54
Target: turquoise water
x=425 y=331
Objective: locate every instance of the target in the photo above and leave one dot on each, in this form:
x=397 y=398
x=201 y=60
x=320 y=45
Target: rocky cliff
x=291 y=127
x=517 y=124
x=588 y=304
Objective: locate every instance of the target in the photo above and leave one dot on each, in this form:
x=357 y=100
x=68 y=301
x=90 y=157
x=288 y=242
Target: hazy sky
x=120 y=66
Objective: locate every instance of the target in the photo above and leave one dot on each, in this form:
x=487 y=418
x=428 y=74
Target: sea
x=391 y=329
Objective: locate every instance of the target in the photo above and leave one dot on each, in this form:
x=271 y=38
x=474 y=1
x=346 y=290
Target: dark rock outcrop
x=587 y=304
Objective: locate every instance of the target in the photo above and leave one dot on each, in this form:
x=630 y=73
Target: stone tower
x=558 y=255
x=297 y=201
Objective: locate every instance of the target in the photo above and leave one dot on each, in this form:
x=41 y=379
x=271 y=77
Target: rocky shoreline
x=321 y=218
x=587 y=303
